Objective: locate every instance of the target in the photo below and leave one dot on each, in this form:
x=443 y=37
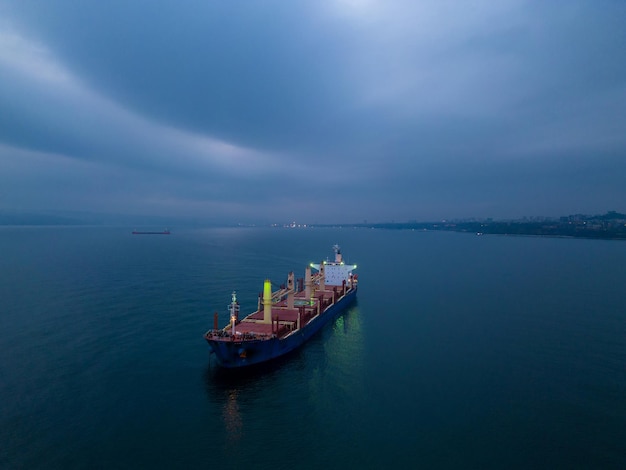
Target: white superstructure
x=335 y=272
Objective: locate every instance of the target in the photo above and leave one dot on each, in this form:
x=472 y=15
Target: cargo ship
x=287 y=318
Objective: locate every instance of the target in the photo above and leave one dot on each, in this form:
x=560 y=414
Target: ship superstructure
x=285 y=318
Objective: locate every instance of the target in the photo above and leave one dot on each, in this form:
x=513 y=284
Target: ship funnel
x=338 y=257
x=267 y=302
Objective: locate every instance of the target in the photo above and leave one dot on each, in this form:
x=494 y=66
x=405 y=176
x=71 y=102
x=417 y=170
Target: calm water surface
x=461 y=352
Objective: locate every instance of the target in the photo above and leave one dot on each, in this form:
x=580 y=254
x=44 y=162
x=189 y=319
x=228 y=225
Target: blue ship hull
x=234 y=354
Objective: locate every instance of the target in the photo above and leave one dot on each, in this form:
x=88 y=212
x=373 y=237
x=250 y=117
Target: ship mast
x=234 y=312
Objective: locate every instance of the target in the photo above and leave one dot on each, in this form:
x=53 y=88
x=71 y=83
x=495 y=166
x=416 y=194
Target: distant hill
x=14 y=218
x=92 y=218
x=610 y=215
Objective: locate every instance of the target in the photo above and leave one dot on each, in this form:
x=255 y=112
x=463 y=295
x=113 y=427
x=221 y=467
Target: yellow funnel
x=267 y=301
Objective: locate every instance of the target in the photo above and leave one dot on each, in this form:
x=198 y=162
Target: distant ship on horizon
x=139 y=232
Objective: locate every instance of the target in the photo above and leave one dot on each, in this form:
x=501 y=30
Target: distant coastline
x=610 y=226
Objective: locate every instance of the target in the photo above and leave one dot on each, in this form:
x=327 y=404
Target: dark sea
x=462 y=351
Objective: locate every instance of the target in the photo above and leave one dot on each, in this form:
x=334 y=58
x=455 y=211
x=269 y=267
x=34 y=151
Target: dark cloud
x=401 y=109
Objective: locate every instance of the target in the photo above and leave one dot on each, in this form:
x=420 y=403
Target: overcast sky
x=314 y=111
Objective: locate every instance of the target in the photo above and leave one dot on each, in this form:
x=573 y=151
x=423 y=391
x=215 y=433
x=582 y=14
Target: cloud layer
x=313 y=111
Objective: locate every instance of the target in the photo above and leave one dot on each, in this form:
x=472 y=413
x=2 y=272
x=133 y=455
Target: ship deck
x=284 y=319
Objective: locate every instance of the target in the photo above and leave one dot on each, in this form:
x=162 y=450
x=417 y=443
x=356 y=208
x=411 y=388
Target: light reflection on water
x=232 y=418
